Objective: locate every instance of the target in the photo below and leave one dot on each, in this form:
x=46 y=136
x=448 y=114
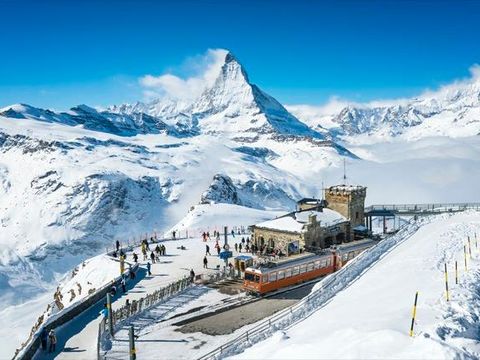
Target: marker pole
x=414 y=313
x=446 y=283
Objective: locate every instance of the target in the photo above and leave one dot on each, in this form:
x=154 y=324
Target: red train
x=301 y=268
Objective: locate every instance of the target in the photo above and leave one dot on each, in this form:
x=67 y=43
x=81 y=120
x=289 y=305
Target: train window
x=288 y=272
x=272 y=276
x=328 y=262
x=249 y=277
x=264 y=279
x=303 y=268
x=296 y=270
x=317 y=264
x=310 y=266
x=281 y=274
x=324 y=263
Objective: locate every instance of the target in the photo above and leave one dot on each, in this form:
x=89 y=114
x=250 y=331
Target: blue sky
x=58 y=54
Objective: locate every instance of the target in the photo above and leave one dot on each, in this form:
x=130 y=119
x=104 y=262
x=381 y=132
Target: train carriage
x=301 y=268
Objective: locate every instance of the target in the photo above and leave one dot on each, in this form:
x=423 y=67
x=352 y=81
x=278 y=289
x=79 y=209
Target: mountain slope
x=232 y=105
x=453 y=110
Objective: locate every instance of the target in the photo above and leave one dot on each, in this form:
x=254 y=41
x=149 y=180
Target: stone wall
x=349 y=203
x=314 y=237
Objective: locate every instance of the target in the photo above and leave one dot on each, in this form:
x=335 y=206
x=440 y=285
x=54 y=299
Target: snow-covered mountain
x=73 y=182
x=232 y=105
x=453 y=110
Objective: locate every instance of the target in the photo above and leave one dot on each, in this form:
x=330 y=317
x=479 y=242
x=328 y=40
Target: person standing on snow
x=236 y=247
x=148 y=268
x=205 y=262
x=192 y=275
x=207 y=250
x=117 y=244
x=53 y=340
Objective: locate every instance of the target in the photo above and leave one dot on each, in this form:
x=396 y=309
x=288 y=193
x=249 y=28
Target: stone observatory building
x=316 y=224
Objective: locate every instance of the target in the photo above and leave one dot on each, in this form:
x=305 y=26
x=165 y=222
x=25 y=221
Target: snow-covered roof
x=294 y=222
x=346 y=187
x=286 y=223
x=327 y=217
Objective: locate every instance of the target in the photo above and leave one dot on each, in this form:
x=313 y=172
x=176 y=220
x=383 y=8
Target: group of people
x=48 y=337
x=245 y=244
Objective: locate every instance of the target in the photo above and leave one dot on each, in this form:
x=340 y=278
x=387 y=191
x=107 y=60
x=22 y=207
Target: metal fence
x=328 y=288
x=445 y=207
x=129 y=311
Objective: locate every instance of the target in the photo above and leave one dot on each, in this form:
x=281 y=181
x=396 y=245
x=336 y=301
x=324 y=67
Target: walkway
x=77 y=339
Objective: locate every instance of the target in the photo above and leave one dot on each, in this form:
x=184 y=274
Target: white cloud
x=205 y=69
x=312 y=113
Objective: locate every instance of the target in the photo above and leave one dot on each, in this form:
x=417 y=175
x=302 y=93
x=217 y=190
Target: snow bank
x=371 y=317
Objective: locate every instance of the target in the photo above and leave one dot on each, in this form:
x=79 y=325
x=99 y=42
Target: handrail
x=127 y=312
x=436 y=207
x=291 y=315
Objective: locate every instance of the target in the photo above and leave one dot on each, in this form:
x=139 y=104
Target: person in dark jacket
x=207 y=250
x=44 y=339
x=53 y=340
x=117 y=245
x=192 y=275
x=149 y=266
x=205 y=262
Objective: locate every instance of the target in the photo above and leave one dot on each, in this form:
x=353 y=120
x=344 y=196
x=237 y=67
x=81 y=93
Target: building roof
x=295 y=221
x=346 y=187
x=308 y=201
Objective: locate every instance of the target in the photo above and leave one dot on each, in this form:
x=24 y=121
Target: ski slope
x=371 y=317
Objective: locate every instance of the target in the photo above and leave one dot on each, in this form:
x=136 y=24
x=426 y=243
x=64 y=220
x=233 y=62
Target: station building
x=316 y=224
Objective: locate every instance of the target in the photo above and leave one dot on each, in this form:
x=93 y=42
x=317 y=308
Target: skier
x=205 y=262
x=247 y=248
x=144 y=252
x=44 y=338
x=148 y=268
x=152 y=257
x=240 y=247
x=233 y=233
x=207 y=250
x=218 y=249
x=192 y=275
x=117 y=244
x=53 y=340
x=208 y=235
x=123 y=285
x=135 y=257
x=164 y=250
x=174 y=233
x=236 y=247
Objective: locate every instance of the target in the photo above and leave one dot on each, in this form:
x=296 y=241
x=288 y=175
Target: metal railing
x=129 y=311
x=441 y=207
x=328 y=288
